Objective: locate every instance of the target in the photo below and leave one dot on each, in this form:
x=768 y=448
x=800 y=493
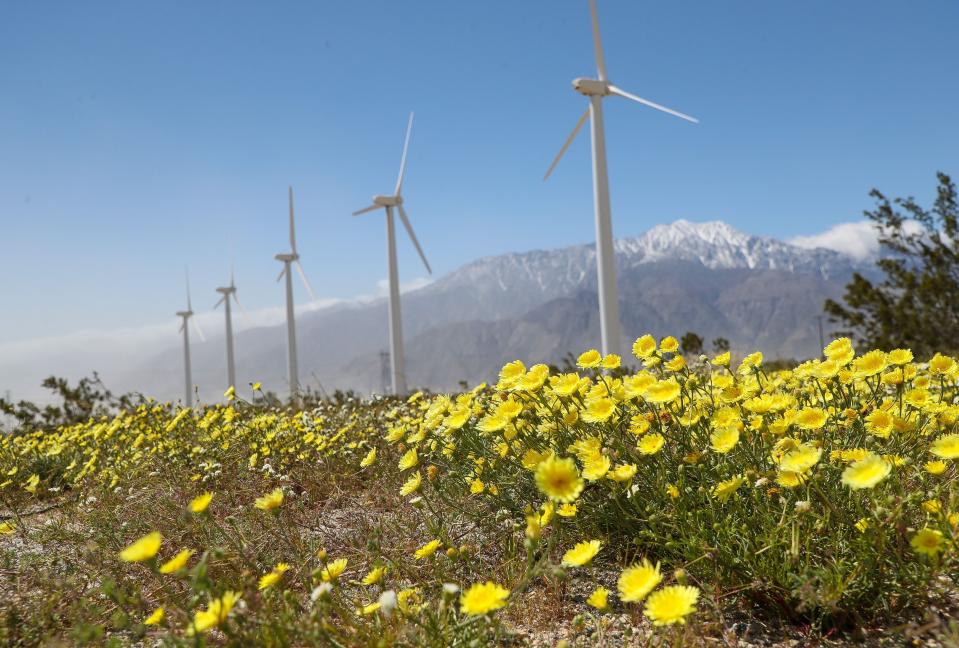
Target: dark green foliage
x=691 y=343
x=916 y=304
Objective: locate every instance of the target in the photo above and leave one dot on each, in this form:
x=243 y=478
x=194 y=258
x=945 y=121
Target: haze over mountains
x=758 y=292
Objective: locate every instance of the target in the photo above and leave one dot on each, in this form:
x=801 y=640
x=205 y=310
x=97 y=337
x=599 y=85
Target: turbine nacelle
x=387 y=201
x=184 y=314
x=226 y=290
x=287 y=257
x=592 y=87
x=599 y=88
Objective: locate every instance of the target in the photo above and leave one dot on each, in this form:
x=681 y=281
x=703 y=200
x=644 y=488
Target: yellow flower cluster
x=705 y=453
x=106 y=451
x=840 y=469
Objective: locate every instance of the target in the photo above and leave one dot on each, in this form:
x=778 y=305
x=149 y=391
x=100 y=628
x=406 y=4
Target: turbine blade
x=406 y=148
x=292 y=231
x=409 y=229
x=243 y=311
x=597 y=42
x=569 y=140
x=646 y=102
x=282 y=272
x=366 y=209
x=231 y=274
x=182 y=325
x=222 y=299
x=199 y=331
x=306 y=282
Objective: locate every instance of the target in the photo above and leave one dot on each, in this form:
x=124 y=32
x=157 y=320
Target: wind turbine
x=389 y=203
x=596 y=90
x=185 y=329
x=227 y=292
x=288 y=259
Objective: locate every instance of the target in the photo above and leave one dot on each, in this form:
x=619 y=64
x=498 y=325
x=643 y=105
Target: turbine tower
x=185 y=329
x=227 y=292
x=595 y=90
x=288 y=259
x=390 y=203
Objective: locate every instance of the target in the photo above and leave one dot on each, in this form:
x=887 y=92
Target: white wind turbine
x=288 y=259
x=185 y=329
x=227 y=292
x=389 y=203
x=596 y=90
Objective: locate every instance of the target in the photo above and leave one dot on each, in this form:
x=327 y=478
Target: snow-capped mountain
x=716 y=244
x=710 y=278
x=545 y=274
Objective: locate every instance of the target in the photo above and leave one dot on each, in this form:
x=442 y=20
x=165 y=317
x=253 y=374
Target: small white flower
x=387 y=602
x=762 y=481
x=321 y=591
x=802 y=506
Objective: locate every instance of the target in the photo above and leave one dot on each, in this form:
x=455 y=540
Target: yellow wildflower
x=215 y=614
x=269 y=501
x=672 y=604
x=483 y=598
x=334 y=569
x=143 y=549
x=155 y=617
x=273 y=577
x=946 y=446
x=637 y=581
x=200 y=502
x=582 y=553
x=866 y=472
x=428 y=549
x=927 y=542
x=558 y=479
x=176 y=563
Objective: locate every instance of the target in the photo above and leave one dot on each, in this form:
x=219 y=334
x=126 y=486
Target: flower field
x=674 y=503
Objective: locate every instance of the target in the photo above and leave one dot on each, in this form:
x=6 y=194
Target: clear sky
x=137 y=137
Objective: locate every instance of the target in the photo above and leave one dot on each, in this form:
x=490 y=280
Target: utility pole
x=822 y=339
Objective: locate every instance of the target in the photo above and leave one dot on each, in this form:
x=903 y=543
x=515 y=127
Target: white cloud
x=857 y=239
x=383 y=285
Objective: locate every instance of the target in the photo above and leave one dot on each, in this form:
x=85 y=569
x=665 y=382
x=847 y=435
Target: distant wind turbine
x=185 y=329
x=389 y=203
x=227 y=292
x=596 y=90
x=288 y=259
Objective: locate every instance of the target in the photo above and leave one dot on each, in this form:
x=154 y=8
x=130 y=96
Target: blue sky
x=139 y=137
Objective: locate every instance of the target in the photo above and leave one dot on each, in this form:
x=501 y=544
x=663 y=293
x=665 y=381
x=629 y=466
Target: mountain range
x=757 y=292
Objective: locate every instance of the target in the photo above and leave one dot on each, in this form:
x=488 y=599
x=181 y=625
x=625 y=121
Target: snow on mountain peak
x=714 y=244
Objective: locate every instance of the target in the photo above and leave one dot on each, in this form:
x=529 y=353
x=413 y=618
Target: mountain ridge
x=541 y=304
